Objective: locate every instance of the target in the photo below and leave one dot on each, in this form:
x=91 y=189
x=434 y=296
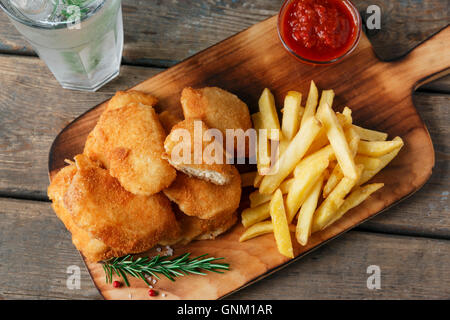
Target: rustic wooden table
x=410 y=243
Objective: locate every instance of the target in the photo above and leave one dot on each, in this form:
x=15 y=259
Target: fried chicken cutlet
x=168 y=120
x=193 y=228
x=203 y=199
x=106 y=220
x=124 y=98
x=93 y=249
x=218 y=108
x=211 y=163
x=124 y=221
x=129 y=142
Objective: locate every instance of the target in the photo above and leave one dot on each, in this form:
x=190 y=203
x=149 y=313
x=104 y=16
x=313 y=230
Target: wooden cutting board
x=379 y=93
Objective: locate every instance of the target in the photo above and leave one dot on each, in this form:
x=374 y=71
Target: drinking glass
x=81 y=41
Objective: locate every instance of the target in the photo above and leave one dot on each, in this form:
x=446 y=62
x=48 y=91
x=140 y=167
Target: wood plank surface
x=163 y=32
x=411 y=268
x=152 y=37
x=35 y=267
x=427 y=212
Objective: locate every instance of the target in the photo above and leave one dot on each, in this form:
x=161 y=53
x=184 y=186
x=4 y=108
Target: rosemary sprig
x=145 y=266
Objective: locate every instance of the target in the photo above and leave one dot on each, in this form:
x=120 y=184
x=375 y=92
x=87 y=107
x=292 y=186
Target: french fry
x=251 y=216
x=291 y=157
x=344 y=119
x=327 y=97
x=347 y=112
x=284 y=143
x=334 y=178
x=268 y=112
x=258 y=180
x=257 y=198
x=280 y=225
x=303 y=183
x=311 y=103
x=334 y=200
x=368 y=162
x=302 y=111
x=355 y=198
x=319 y=142
x=384 y=161
x=370 y=135
x=257 y=121
x=324 y=153
x=263 y=153
x=262 y=145
x=336 y=175
x=248 y=178
x=353 y=139
x=333 y=163
x=291 y=114
x=259 y=229
x=337 y=139
x=326 y=174
x=319 y=151
x=322 y=139
x=305 y=217
x=377 y=148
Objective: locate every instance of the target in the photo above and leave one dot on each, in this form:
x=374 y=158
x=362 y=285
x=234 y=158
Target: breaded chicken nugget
x=124 y=98
x=216 y=227
x=93 y=249
x=217 y=108
x=210 y=165
x=204 y=199
x=168 y=120
x=129 y=142
x=121 y=220
x=193 y=228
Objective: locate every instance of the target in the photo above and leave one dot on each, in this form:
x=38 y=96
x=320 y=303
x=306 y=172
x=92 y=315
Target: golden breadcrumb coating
x=218 y=108
x=93 y=249
x=213 y=166
x=168 y=120
x=124 y=98
x=129 y=142
x=203 y=199
x=126 y=222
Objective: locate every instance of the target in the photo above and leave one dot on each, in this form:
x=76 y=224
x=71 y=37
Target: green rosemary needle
x=145 y=266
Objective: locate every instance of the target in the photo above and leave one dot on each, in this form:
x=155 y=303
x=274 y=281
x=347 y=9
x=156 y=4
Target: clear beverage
x=81 y=41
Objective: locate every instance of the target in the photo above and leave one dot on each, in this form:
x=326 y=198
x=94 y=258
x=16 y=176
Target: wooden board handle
x=428 y=61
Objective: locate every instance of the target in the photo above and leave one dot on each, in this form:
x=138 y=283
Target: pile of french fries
x=323 y=162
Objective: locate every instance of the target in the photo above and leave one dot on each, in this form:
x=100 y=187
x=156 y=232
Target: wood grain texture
x=432 y=202
x=379 y=94
x=163 y=32
x=34 y=267
x=411 y=268
x=405 y=23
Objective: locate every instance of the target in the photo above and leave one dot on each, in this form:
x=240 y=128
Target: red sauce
x=318 y=30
